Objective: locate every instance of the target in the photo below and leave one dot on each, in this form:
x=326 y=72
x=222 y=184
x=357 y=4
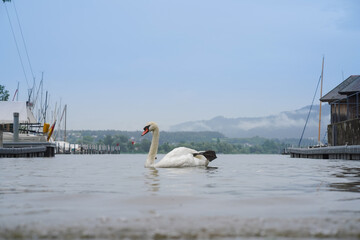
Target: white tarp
x=8 y=108
x=23 y=137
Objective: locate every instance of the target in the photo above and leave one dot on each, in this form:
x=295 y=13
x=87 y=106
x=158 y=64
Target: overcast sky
x=120 y=64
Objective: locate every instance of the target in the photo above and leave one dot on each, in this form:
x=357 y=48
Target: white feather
x=182 y=157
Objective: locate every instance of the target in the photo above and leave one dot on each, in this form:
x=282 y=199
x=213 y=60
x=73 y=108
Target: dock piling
x=1 y=137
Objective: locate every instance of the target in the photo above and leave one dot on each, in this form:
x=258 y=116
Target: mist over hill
x=270 y=134
x=287 y=124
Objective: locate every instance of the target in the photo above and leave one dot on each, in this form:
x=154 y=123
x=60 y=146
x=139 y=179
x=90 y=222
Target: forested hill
x=287 y=124
x=92 y=136
x=132 y=142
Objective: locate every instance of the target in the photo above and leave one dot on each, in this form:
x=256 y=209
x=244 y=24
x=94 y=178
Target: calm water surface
x=238 y=197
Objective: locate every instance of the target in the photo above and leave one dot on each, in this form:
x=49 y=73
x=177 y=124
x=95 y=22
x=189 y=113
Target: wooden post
x=16 y=127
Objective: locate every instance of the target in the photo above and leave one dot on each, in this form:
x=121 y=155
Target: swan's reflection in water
x=152 y=180
x=190 y=170
x=211 y=170
x=188 y=175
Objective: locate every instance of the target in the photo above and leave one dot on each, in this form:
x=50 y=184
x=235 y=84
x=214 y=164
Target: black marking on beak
x=146 y=130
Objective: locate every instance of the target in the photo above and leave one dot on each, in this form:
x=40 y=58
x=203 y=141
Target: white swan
x=178 y=157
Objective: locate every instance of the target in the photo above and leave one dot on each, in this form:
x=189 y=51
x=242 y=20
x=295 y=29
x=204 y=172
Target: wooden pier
x=87 y=149
x=46 y=149
x=350 y=152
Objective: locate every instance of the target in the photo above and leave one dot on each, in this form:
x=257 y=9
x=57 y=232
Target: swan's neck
x=153 y=149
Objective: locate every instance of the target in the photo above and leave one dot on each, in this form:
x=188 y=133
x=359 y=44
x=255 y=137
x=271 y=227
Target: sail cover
x=7 y=110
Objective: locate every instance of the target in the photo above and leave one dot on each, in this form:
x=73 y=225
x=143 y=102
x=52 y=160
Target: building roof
x=8 y=108
x=352 y=87
x=348 y=86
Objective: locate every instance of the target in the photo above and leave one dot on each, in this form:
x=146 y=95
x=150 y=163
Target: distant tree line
x=94 y=136
x=132 y=142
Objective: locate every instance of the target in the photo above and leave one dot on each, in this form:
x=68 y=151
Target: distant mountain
x=287 y=124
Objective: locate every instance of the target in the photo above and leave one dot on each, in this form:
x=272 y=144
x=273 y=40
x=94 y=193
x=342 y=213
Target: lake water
x=238 y=197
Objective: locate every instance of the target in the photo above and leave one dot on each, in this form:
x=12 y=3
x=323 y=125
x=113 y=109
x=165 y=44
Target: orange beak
x=145 y=131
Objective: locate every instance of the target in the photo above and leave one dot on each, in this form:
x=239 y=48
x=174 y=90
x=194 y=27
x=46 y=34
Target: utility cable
x=325 y=134
x=17 y=46
x=22 y=36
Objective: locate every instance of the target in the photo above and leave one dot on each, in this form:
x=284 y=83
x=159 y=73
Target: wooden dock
x=18 y=149
x=350 y=152
x=27 y=149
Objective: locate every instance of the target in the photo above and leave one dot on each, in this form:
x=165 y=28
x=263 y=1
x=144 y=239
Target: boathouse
x=344 y=100
x=344 y=128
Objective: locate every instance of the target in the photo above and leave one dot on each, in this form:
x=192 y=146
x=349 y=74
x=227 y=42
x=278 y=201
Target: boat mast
x=322 y=77
x=65 y=123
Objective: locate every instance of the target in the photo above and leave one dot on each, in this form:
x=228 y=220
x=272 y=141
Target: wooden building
x=344 y=99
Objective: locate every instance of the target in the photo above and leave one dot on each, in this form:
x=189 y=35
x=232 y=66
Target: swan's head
x=150 y=127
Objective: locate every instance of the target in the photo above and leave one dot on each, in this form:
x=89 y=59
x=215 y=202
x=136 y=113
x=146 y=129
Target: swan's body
x=182 y=157
x=178 y=157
